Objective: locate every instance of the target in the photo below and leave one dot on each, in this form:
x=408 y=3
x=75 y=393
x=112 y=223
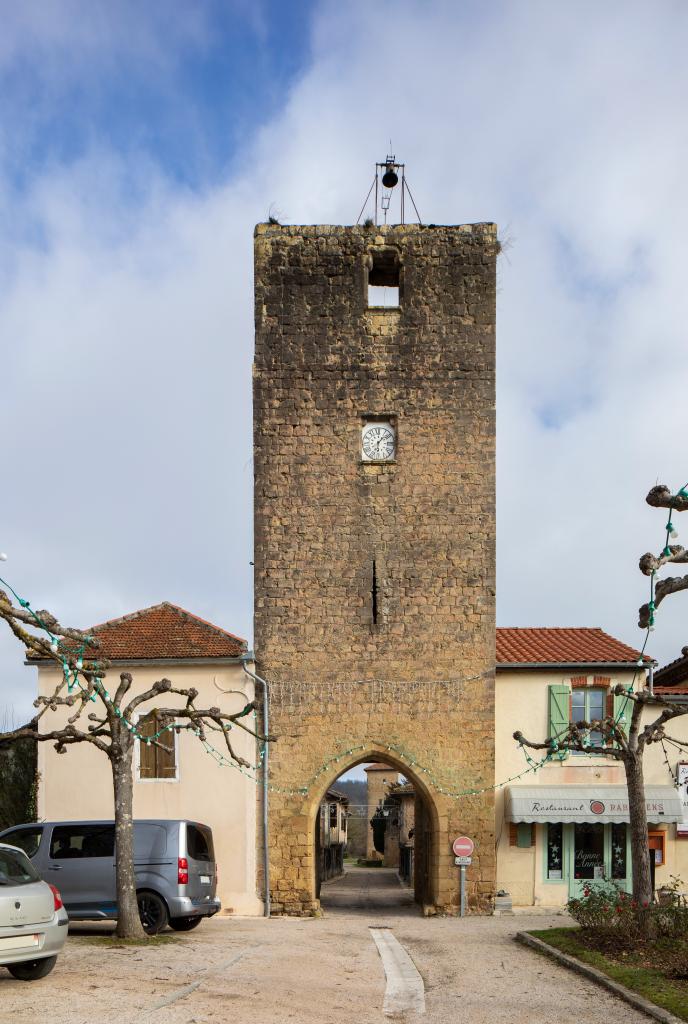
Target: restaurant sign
x=594 y=803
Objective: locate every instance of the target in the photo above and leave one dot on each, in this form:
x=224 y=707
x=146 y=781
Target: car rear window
x=16 y=868
x=27 y=839
x=70 y=841
x=199 y=842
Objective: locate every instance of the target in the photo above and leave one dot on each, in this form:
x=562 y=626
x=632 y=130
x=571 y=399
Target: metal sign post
x=463 y=848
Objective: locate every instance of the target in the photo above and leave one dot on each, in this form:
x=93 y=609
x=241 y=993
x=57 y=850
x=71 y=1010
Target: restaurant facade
x=567 y=823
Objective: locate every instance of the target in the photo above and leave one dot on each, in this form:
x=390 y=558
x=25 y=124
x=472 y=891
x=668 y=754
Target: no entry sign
x=463 y=846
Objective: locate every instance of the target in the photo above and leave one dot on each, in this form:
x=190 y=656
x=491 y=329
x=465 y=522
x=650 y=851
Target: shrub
x=604 y=907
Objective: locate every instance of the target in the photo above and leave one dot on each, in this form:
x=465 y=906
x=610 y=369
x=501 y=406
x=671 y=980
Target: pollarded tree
x=627 y=742
x=107 y=721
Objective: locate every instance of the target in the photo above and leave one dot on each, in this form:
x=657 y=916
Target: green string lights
x=408 y=759
x=71 y=677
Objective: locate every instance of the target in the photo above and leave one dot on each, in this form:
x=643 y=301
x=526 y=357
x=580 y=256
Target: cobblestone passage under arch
x=367 y=890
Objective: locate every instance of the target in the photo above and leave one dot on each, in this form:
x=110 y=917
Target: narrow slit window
x=384 y=280
x=374 y=592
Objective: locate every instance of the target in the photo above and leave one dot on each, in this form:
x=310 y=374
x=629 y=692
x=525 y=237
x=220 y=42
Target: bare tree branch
x=650 y=563
x=661 y=497
x=670 y=585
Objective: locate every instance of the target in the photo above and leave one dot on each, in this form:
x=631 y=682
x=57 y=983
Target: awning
x=588 y=803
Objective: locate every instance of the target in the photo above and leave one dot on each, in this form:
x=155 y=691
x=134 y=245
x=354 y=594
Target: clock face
x=378 y=442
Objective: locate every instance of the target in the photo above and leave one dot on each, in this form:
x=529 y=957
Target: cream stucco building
x=167 y=641
x=554 y=828
x=567 y=822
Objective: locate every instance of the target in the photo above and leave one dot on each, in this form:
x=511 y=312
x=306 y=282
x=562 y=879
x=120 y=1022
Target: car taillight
x=57 y=899
x=182 y=871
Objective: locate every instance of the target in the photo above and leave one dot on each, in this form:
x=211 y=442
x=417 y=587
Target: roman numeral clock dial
x=378 y=442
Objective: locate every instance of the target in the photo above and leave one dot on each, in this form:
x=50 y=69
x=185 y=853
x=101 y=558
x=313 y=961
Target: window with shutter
x=157 y=760
x=559 y=706
x=522 y=834
x=622 y=711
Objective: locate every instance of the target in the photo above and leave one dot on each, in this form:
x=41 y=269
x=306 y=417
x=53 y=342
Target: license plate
x=19 y=941
x=205 y=879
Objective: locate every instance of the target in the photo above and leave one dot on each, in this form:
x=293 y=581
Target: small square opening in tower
x=384 y=279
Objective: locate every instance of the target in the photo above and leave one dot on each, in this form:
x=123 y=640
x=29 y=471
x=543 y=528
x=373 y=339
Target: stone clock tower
x=374 y=445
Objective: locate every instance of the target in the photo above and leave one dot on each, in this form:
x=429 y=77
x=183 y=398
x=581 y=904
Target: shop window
x=555 y=851
x=619 y=865
x=657 y=843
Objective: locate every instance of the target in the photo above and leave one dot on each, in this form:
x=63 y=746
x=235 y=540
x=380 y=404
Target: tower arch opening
x=384 y=855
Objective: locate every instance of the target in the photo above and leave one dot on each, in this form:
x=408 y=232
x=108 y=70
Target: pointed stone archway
x=427 y=825
x=293 y=820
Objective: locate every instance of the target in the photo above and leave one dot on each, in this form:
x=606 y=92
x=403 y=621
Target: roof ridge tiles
x=182 y=612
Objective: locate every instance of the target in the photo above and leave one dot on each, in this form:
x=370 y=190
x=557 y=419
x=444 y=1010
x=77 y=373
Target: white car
x=33 y=921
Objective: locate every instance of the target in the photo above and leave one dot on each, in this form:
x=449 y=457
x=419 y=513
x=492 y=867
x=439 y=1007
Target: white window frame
x=587 y=691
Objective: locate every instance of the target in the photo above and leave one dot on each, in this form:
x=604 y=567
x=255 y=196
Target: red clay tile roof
x=164 y=631
x=674 y=673
x=671 y=691
x=563 y=645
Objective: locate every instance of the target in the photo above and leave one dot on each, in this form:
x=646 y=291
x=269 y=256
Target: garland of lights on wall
x=71 y=677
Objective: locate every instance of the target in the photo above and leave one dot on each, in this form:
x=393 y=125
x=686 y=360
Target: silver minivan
x=176 y=874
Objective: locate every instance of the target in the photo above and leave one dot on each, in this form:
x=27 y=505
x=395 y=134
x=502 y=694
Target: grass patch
x=642 y=969
x=113 y=942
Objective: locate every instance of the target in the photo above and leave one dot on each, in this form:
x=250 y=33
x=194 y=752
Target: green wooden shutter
x=559 y=701
x=524 y=835
x=623 y=709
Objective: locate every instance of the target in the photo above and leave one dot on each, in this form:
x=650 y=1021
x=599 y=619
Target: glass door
x=596 y=852
x=588 y=860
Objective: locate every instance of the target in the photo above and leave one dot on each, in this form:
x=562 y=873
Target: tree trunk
x=640 y=852
x=128 y=921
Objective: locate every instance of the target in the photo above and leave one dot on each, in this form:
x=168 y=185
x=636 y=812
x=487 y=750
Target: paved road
x=366 y=890
x=314 y=971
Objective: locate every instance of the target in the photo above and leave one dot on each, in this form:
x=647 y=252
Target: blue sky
x=139 y=145
x=180 y=84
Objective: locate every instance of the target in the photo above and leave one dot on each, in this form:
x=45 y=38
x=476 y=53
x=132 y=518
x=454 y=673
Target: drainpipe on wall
x=266 y=730
x=651 y=678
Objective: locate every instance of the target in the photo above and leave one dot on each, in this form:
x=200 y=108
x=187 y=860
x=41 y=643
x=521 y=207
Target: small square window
x=384 y=279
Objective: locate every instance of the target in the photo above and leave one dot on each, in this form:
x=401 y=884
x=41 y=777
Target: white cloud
x=127 y=330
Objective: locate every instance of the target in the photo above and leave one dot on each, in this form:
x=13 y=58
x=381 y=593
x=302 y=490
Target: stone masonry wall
x=378 y=778
x=415 y=687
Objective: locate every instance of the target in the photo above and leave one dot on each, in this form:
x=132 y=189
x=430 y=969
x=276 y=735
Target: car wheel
x=185 y=924
x=152 y=911
x=32 y=970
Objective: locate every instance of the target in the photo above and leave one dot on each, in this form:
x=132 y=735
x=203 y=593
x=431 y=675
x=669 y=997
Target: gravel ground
x=312 y=971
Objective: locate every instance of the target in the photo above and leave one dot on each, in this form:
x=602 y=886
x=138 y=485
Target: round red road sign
x=463 y=846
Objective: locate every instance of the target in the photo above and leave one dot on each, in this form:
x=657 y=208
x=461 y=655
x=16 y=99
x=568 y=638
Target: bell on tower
x=385 y=181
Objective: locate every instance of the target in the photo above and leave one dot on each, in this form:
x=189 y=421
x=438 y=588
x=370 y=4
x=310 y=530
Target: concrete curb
x=656 y=1012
